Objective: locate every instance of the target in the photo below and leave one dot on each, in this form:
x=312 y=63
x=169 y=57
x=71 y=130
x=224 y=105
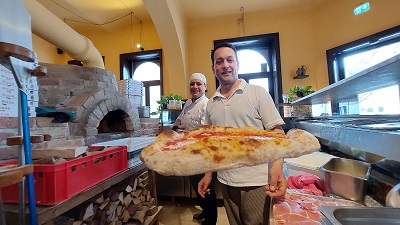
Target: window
x=253 y=62
x=349 y=59
x=259 y=59
x=149 y=74
x=145 y=66
x=363 y=60
x=147 y=71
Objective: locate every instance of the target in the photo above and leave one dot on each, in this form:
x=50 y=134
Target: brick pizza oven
x=92 y=93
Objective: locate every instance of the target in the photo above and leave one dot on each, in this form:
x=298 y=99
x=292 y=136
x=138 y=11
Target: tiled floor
x=181 y=211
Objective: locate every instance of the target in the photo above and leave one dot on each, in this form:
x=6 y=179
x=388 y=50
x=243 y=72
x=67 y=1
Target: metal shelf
x=384 y=74
x=349 y=139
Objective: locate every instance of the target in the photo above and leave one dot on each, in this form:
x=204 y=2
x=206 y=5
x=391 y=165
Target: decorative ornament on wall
x=301 y=72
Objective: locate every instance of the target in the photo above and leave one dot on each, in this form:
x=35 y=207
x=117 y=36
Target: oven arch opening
x=113 y=121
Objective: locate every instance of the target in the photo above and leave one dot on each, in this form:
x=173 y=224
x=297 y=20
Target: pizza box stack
x=132 y=89
x=308 y=164
x=9 y=94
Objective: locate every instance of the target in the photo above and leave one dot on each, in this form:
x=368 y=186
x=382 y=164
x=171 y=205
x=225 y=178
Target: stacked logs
x=128 y=204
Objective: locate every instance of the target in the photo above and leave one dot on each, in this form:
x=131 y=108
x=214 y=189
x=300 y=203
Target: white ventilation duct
x=49 y=27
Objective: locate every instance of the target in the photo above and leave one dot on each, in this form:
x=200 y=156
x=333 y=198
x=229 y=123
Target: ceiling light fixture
x=240 y=21
x=132 y=29
x=139 y=45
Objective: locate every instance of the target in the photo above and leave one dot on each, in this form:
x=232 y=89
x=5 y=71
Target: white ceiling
x=79 y=13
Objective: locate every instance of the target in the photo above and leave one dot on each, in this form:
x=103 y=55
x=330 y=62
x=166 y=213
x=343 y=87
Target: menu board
x=9 y=94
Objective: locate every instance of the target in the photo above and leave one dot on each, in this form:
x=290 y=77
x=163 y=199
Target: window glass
x=263 y=82
x=147 y=71
x=382 y=101
x=144 y=99
x=359 y=62
x=251 y=61
x=351 y=58
x=154 y=97
x=321 y=109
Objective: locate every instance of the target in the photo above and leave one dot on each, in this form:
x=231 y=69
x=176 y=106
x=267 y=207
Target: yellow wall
x=47 y=53
x=109 y=44
x=305 y=35
x=343 y=27
x=294 y=33
x=112 y=44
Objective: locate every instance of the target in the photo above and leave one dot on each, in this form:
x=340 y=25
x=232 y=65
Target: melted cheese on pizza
x=181 y=143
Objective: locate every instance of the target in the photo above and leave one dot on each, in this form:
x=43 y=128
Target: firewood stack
x=128 y=204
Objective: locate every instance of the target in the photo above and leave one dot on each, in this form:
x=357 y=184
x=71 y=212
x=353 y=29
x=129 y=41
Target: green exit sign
x=361 y=8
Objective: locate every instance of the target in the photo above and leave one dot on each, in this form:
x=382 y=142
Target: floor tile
x=181 y=211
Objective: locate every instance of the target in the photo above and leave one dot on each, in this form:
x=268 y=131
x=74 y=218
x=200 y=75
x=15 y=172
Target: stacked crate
x=133 y=90
x=9 y=94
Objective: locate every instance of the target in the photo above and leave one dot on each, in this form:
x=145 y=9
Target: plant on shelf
x=299 y=92
x=162 y=103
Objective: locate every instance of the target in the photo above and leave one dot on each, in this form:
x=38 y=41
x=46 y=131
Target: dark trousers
x=246 y=205
x=209 y=203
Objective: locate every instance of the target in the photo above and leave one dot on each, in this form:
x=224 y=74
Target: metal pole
x=23 y=115
x=21 y=161
x=28 y=158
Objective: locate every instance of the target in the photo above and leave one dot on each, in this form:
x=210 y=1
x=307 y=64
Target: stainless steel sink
x=339 y=215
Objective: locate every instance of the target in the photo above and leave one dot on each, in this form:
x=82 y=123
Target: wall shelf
x=301 y=76
x=384 y=74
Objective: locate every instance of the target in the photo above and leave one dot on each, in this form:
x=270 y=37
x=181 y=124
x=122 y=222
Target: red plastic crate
x=57 y=183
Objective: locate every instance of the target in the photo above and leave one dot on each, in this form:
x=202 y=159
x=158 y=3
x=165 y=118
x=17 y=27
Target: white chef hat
x=198 y=76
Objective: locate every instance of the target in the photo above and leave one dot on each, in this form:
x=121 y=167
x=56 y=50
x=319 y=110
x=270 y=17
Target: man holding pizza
x=247 y=191
x=191 y=117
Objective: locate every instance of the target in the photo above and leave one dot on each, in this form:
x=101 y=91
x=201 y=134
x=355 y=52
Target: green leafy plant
x=162 y=103
x=299 y=92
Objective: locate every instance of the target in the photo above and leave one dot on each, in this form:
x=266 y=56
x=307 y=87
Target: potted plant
x=162 y=103
x=299 y=92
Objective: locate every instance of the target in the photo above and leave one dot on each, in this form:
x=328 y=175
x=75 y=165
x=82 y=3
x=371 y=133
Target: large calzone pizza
x=213 y=148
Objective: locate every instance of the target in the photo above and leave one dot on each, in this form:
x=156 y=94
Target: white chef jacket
x=193 y=113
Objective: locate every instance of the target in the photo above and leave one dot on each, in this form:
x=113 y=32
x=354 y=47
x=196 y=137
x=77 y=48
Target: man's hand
x=277 y=181
x=202 y=186
x=278 y=129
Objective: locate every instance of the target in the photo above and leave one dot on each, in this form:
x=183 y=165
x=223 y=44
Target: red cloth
x=307 y=183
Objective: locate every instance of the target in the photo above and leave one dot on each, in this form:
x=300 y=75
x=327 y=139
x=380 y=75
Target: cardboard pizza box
x=63 y=152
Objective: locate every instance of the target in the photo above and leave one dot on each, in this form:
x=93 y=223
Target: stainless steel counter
x=339 y=215
x=377 y=135
x=384 y=74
